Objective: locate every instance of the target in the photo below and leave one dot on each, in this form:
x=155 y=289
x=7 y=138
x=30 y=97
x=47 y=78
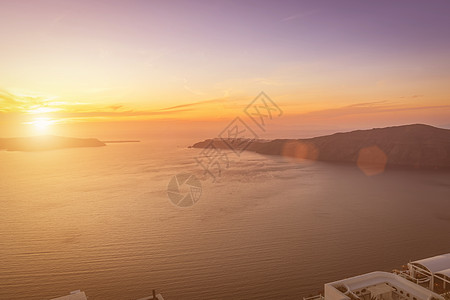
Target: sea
x=100 y=220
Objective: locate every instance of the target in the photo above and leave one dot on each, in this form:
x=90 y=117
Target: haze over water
x=99 y=220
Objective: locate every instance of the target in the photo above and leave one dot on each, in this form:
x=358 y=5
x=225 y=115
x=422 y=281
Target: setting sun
x=41 y=125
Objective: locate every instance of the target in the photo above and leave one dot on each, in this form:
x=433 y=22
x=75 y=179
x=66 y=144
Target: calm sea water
x=99 y=220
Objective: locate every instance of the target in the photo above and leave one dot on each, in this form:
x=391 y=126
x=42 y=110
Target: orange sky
x=75 y=68
x=35 y=115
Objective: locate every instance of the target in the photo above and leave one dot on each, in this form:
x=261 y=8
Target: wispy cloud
x=376 y=107
x=23 y=102
x=187 y=86
x=115 y=114
x=37 y=105
x=194 y=104
x=300 y=15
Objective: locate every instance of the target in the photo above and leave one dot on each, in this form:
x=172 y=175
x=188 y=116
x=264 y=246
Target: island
x=48 y=142
x=418 y=146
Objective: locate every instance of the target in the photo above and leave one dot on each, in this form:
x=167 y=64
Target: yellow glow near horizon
x=41 y=125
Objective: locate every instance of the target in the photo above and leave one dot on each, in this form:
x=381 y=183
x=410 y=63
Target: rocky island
x=41 y=143
x=418 y=146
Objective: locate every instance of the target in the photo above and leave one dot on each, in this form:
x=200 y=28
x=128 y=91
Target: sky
x=96 y=67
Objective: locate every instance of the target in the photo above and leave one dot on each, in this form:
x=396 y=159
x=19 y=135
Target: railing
x=316 y=297
x=406 y=275
x=446 y=295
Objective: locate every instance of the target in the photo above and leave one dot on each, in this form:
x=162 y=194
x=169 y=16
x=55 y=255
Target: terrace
x=378 y=286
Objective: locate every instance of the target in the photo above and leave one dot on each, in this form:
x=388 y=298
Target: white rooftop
x=79 y=295
x=75 y=295
x=378 y=279
x=435 y=264
x=380 y=289
x=444 y=272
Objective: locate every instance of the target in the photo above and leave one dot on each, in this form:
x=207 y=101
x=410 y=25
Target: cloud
x=300 y=15
x=114 y=114
x=188 y=88
x=194 y=104
x=413 y=96
x=191 y=90
x=12 y=102
x=21 y=105
x=8 y=98
x=369 y=108
x=115 y=107
x=31 y=103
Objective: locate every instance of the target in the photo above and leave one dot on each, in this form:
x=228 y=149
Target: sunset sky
x=86 y=67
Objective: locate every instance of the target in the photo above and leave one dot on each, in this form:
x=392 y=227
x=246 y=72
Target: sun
x=41 y=125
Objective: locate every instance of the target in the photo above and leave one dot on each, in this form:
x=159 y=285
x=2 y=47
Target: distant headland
x=48 y=142
x=419 y=146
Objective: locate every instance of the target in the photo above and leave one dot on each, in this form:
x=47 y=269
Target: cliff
x=419 y=146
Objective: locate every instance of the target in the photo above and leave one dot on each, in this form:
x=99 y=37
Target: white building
x=426 y=279
x=75 y=295
x=433 y=272
x=79 y=295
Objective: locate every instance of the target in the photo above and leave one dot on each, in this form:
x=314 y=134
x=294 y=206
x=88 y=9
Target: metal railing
x=406 y=275
x=316 y=297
